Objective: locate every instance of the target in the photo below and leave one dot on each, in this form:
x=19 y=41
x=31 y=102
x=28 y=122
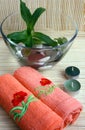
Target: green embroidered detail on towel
x=45 y=90
x=46 y=87
x=19 y=111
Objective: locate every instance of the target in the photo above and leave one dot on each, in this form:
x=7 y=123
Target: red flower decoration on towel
x=18 y=97
x=45 y=81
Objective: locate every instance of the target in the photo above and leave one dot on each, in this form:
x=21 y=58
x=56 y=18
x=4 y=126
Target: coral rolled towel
x=29 y=112
x=60 y=102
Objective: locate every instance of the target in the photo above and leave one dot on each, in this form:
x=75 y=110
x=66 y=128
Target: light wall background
x=74 y=8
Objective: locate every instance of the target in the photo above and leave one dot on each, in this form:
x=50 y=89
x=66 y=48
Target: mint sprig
x=45 y=38
x=25 y=12
x=35 y=17
x=28 y=36
x=18 y=36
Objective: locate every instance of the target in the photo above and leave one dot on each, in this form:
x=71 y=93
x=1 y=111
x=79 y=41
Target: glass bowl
x=40 y=57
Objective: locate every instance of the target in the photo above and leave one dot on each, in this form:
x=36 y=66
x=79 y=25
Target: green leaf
x=24 y=37
x=61 y=40
x=37 y=41
x=28 y=42
x=64 y=40
x=43 y=37
x=35 y=16
x=18 y=36
x=25 y=12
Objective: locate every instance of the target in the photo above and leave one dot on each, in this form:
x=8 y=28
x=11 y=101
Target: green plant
x=29 y=36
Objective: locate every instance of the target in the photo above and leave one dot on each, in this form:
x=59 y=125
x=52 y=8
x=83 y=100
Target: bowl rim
x=34 y=48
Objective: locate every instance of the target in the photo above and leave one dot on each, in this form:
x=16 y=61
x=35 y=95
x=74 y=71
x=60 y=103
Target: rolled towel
x=63 y=104
x=28 y=112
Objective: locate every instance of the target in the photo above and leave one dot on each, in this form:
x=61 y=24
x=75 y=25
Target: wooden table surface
x=75 y=57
